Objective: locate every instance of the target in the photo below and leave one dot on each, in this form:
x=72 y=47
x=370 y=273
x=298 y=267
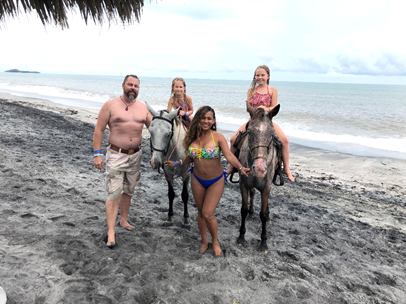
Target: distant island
x=18 y=71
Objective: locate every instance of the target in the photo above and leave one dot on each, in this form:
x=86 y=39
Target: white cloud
x=309 y=63
x=221 y=39
x=202 y=11
x=370 y=63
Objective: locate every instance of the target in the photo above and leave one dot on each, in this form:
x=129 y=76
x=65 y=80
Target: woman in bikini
x=179 y=100
x=261 y=95
x=204 y=146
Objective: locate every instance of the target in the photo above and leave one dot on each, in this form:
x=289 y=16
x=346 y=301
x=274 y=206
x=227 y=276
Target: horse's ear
x=274 y=111
x=173 y=114
x=151 y=110
x=250 y=109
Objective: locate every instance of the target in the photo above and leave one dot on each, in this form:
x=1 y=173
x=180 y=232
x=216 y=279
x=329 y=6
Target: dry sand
x=336 y=235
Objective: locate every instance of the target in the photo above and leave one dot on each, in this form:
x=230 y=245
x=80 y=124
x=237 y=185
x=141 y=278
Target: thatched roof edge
x=55 y=11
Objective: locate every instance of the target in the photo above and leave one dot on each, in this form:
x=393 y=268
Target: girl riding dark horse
x=260 y=153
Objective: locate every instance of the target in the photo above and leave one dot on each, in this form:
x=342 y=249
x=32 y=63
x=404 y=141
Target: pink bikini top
x=261 y=99
x=183 y=107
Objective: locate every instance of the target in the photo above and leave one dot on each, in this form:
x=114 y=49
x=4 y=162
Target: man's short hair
x=131 y=75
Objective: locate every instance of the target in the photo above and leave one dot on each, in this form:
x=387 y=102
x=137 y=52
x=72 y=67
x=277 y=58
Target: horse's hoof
x=241 y=241
x=168 y=224
x=263 y=248
x=186 y=226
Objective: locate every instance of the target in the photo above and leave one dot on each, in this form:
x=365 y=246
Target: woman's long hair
x=195 y=129
x=185 y=99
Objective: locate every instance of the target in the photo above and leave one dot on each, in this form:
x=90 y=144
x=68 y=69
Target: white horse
x=167 y=134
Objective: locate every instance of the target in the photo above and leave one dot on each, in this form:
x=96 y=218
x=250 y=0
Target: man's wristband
x=97 y=154
x=96 y=151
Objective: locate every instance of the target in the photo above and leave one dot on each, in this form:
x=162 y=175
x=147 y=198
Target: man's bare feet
x=126 y=225
x=111 y=240
x=111 y=244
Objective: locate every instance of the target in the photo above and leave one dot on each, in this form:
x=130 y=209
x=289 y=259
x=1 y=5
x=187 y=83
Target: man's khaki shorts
x=122 y=174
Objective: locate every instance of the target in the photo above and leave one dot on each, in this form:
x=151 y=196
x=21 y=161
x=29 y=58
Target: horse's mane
x=177 y=120
x=259 y=112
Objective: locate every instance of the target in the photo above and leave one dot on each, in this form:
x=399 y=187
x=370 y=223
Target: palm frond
x=55 y=11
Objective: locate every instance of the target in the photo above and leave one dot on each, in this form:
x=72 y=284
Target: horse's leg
x=264 y=215
x=252 y=196
x=185 y=199
x=244 y=213
x=171 y=196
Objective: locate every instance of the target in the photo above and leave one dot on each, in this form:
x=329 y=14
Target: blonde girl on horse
x=179 y=100
x=262 y=95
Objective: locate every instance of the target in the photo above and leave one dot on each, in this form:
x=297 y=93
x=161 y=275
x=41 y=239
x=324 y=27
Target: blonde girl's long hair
x=195 y=129
x=254 y=83
x=184 y=93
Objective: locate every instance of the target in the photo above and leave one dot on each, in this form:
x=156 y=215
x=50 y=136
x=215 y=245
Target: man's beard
x=131 y=97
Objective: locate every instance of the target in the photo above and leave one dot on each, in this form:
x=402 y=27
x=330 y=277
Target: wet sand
x=336 y=235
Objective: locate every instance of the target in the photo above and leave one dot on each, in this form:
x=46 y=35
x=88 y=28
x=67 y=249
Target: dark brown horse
x=260 y=153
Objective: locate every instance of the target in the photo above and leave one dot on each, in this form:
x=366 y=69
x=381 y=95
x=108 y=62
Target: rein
x=272 y=141
x=278 y=167
x=163 y=167
x=165 y=151
x=167 y=146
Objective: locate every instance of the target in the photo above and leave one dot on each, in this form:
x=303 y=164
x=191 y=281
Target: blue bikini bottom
x=208 y=183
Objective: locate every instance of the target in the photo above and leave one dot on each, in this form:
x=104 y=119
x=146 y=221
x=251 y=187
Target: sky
x=346 y=41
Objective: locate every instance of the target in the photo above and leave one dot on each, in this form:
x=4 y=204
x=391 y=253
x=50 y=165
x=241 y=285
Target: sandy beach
x=336 y=235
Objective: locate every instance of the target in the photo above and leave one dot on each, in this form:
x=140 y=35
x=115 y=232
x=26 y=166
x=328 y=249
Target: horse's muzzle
x=259 y=168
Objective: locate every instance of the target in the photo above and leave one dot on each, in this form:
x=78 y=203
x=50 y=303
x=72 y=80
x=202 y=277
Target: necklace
x=126 y=108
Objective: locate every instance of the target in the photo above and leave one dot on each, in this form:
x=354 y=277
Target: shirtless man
x=126 y=117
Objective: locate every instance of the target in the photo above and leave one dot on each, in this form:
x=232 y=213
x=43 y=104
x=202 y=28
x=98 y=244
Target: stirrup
x=278 y=172
x=230 y=176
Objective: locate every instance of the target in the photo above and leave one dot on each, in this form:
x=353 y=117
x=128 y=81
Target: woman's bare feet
x=217 y=249
x=204 y=247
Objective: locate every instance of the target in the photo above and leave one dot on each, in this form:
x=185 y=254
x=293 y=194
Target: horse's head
x=161 y=132
x=260 y=140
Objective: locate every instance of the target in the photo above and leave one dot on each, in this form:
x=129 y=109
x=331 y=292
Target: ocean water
x=360 y=119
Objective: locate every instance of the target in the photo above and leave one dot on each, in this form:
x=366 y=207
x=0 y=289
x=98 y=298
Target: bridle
x=272 y=141
x=165 y=150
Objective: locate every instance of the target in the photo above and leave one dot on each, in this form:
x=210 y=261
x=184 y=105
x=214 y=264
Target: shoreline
x=335 y=235
x=228 y=130
x=367 y=172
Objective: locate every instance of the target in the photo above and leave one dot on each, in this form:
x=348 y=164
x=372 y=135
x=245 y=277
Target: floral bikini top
x=261 y=99
x=209 y=153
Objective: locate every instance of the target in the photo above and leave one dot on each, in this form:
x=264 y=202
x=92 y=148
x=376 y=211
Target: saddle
x=239 y=141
